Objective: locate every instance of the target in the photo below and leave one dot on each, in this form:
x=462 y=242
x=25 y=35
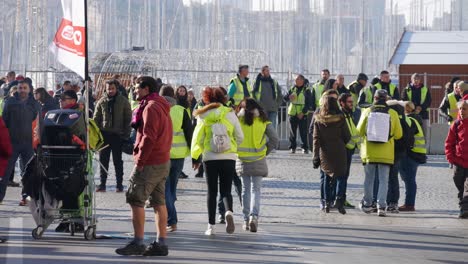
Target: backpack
x=220 y=141
x=378 y=125
x=96 y=140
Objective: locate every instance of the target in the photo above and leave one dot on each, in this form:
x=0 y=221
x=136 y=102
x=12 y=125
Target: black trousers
x=115 y=146
x=238 y=184
x=294 y=124
x=224 y=170
x=460 y=178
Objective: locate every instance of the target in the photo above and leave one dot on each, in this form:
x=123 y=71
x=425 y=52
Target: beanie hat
x=362 y=76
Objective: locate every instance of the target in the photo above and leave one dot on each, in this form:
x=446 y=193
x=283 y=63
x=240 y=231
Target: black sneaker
x=62 y=228
x=183 y=175
x=199 y=175
x=155 y=249
x=131 y=249
x=119 y=188
x=221 y=219
x=463 y=214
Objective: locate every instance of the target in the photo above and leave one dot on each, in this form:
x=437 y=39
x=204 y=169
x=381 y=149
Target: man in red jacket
x=5 y=154
x=152 y=163
x=456 y=150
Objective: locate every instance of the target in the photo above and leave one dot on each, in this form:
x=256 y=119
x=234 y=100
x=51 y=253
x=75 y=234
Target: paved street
x=292 y=228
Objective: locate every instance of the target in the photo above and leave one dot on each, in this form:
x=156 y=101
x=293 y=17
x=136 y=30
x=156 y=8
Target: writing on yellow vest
x=179 y=148
x=253 y=147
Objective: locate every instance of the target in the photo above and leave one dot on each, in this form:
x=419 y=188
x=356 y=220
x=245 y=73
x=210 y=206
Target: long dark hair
x=249 y=105
x=182 y=100
x=43 y=93
x=329 y=84
x=330 y=107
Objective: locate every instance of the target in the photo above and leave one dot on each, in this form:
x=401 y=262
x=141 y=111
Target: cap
x=381 y=94
x=243 y=66
x=70 y=94
x=19 y=78
x=362 y=76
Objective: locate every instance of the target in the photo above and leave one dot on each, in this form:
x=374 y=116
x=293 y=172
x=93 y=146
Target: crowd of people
x=228 y=133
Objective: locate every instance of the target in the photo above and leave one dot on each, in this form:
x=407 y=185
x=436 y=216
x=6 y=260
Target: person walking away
x=456 y=151
x=152 y=163
x=331 y=135
x=181 y=140
x=19 y=113
x=380 y=127
x=113 y=115
x=356 y=86
x=239 y=86
x=351 y=115
x=420 y=95
x=46 y=101
x=217 y=135
x=298 y=97
x=260 y=138
x=268 y=94
x=325 y=95
x=448 y=107
x=415 y=155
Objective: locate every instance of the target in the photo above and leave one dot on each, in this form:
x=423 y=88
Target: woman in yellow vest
x=216 y=136
x=181 y=139
x=260 y=139
x=416 y=154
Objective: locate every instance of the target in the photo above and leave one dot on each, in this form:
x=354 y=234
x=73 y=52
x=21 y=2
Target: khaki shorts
x=149 y=183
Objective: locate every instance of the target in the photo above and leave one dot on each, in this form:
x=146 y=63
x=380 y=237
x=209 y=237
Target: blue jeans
x=382 y=171
x=333 y=188
x=393 y=194
x=408 y=171
x=171 y=187
x=25 y=152
x=323 y=176
x=273 y=117
x=341 y=188
x=251 y=192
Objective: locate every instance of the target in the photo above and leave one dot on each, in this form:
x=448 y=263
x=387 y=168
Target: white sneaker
x=245 y=226
x=253 y=223
x=381 y=212
x=230 y=227
x=210 y=231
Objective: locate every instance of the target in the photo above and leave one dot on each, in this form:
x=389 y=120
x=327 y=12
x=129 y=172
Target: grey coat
x=259 y=167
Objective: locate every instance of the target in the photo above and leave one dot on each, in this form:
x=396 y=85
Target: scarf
x=137 y=118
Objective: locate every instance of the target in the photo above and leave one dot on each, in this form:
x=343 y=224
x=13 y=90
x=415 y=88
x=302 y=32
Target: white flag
x=69 y=41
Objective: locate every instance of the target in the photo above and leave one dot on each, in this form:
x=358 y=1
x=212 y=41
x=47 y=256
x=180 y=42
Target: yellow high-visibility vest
x=179 y=148
x=253 y=147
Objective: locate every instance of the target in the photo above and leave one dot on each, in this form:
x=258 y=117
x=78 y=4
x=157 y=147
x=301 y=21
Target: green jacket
x=119 y=121
x=383 y=153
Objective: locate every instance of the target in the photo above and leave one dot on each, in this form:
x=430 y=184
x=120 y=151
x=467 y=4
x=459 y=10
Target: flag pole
x=87 y=78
